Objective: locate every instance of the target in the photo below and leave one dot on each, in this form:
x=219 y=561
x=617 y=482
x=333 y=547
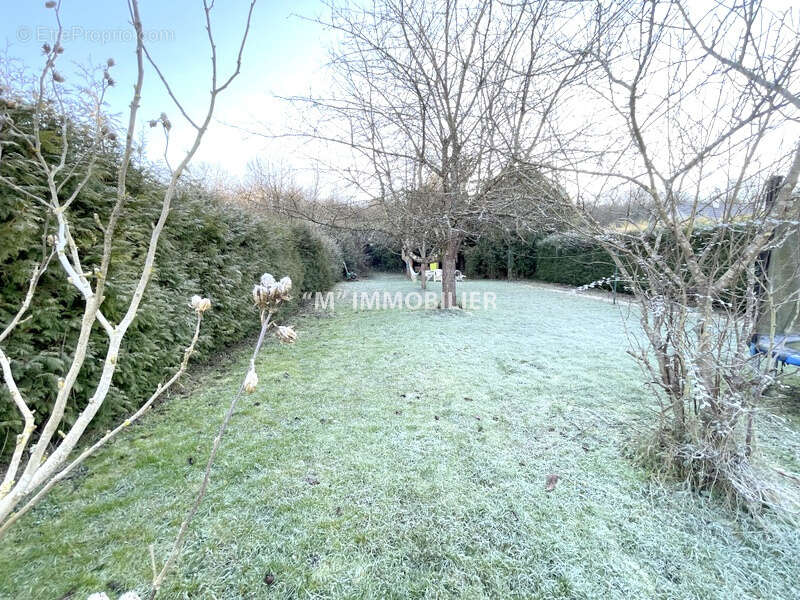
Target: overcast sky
x=285 y=55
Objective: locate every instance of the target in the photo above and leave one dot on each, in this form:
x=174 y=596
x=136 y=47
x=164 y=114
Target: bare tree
x=435 y=100
x=704 y=114
x=408 y=215
x=32 y=471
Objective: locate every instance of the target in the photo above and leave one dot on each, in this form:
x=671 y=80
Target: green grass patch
x=403 y=454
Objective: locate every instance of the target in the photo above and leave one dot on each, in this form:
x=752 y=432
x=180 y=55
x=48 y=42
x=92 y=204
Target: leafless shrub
x=704 y=116
x=34 y=470
x=438 y=104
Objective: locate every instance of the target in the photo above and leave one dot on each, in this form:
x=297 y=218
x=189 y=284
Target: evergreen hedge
x=575 y=260
x=489 y=258
x=207 y=248
x=571 y=259
x=384 y=258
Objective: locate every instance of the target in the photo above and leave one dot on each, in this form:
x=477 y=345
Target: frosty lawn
x=404 y=454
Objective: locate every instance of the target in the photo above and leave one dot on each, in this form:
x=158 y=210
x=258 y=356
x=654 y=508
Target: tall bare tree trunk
x=449 y=272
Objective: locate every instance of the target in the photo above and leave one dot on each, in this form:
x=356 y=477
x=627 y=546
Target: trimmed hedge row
x=575 y=260
x=489 y=258
x=571 y=259
x=381 y=257
x=207 y=248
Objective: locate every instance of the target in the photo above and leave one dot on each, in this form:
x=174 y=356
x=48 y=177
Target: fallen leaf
x=550 y=483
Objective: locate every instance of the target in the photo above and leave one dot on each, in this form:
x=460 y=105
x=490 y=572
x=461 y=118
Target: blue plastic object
x=778 y=346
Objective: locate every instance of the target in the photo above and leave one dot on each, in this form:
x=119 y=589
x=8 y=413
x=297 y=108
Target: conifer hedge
x=489 y=258
x=572 y=259
x=576 y=260
x=207 y=248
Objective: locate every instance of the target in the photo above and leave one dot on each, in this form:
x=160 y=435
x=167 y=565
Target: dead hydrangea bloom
x=251 y=381
x=268 y=293
x=200 y=304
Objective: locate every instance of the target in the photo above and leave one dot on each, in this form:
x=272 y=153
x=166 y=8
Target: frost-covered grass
x=404 y=454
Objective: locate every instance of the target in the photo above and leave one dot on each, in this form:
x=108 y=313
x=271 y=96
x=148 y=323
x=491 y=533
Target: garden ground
x=396 y=454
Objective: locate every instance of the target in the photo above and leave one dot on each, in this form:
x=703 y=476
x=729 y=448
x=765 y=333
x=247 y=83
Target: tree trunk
x=409 y=265
x=678 y=416
x=509 y=263
x=423 y=266
x=412 y=275
x=449 y=272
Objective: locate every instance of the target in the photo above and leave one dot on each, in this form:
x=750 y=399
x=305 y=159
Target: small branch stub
x=286 y=334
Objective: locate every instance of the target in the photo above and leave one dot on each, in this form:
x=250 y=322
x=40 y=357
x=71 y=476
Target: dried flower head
x=286 y=334
x=251 y=381
x=268 y=293
x=199 y=304
x=110 y=63
x=46 y=48
x=57 y=77
x=260 y=296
